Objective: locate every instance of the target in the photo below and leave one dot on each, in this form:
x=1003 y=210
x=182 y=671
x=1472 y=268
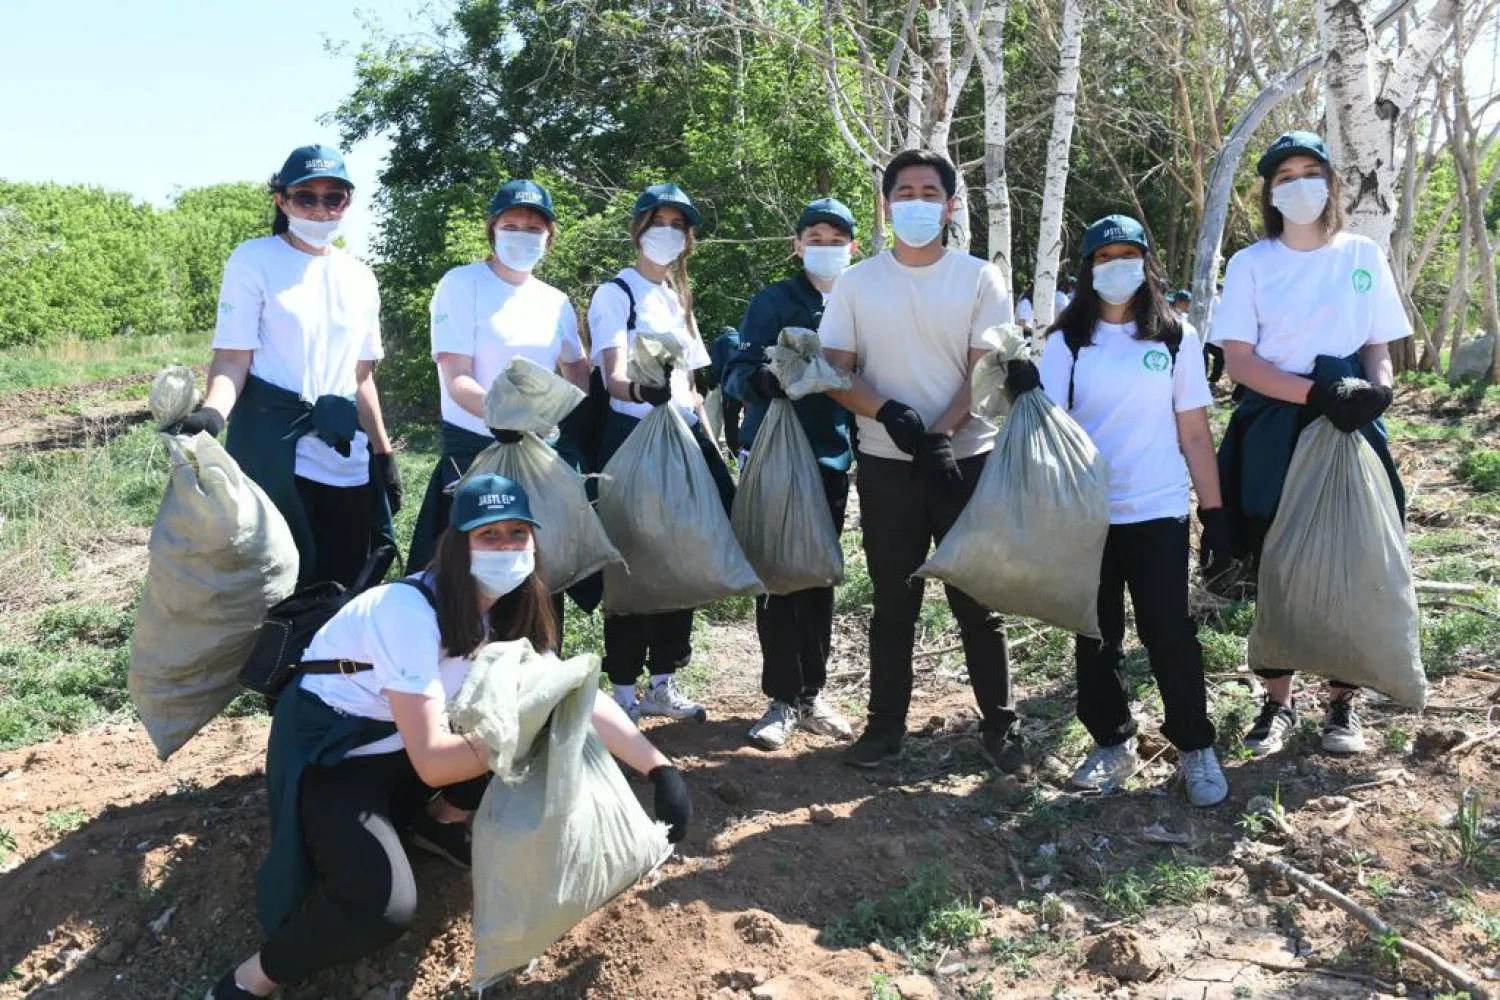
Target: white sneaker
x=665 y=699
x=1204 y=778
x=775 y=727
x=1107 y=769
x=1342 y=730
x=817 y=716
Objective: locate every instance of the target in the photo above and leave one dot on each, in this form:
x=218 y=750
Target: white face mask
x=500 y=571
x=317 y=234
x=917 y=223
x=519 y=251
x=825 y=263
x=1302 y=201
x=663 y=244
x=1118 y=280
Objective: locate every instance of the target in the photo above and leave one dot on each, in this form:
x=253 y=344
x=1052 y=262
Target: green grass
x=71 y=362
x=1466 y=909
x=1129 y=894
x=64 y=820
x=68 y=673
x=1451 y=639
x=1480 y=468
x=918 y=918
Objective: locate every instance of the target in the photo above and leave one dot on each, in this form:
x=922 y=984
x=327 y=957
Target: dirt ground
x=151 y=895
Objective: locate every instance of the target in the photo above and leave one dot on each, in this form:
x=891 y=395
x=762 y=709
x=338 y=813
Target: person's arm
x=439 y=756
x=457 y=371
x=759 y=328
x=622 y=739
x=860 y=397
x=577 y=372
x=958 y=414
x=1250 y=370
x=226 y=379
x=367 y=401
x=1376 y=361
x=1197 y=443
x=612 y=367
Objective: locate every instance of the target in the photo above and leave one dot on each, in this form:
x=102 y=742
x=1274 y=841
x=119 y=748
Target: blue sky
x=147 y=95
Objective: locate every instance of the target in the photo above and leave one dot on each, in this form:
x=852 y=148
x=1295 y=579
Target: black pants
x=664 y=639
x=902 y=518
x=731 y=410
x=1151 y=558
x=340 y=519
x=353 y=814
x=796 y=630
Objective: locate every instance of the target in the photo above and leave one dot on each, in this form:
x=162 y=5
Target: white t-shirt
x=1295 y=305
x=1025 y=313
x=394 y=628
x=478 y=313
x=657 y=310
x=1126 y=396
x=911 y=330
x=310 y=320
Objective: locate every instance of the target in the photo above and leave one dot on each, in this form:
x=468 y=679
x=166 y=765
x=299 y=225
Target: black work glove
x=903 y=424
x=656 y=397
x=1350 y=408
x=505 y=437
x=937 y=466
x=1021 y=377
x=672 y=806
x=1366 y=403
x=1215 y=553
x=205 y=418
x=766 y=384
x=390 y=475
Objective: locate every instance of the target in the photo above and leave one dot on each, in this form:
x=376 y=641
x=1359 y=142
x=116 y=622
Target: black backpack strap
x=624 y=286
x=353 y=666
x=1072 y=371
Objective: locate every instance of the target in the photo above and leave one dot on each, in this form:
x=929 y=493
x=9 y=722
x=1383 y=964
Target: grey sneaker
x=1342 y=730
x=1203 y=777
x=665 y=699
x=817 y=716
x=1106 y=769
x=775 y=727
x=1273 y=727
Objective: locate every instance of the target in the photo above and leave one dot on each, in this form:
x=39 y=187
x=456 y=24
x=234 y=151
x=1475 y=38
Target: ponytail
x=279 y=224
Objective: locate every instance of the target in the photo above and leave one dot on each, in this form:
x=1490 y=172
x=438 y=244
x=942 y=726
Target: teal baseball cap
x=1113 y=229
x=522 y=194
x=1292 y=144
x=487 y=499
x=311 y=162
x=667 y=196
x=1182 y=295
x=829 y=210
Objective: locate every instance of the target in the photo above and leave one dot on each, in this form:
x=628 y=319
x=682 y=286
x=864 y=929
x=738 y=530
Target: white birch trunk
x=1059 y=146
x=996 y=184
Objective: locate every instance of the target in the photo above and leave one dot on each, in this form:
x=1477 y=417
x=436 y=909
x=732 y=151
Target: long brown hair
x=677 y=277
x=1333 y=212
x=524 y=613
x=1154 y=318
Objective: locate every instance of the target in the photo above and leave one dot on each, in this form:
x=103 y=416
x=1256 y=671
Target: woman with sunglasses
x=653 y=296
x=1112 y=358
x=293 y=374
x=1303 y=308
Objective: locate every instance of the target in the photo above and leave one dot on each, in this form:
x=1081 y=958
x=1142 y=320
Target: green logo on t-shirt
x=1156 y=361
x=1363 y=280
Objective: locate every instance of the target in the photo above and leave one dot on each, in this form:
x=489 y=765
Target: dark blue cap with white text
x=667 y=196
x=1113 y=229
x=829 y=210
x=310 y=162
x=522 y=194
x=487 y=499
x=1288 y=145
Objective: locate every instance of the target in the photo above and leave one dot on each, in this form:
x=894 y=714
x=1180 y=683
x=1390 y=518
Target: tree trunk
x=996 y=184
x=1059 y=145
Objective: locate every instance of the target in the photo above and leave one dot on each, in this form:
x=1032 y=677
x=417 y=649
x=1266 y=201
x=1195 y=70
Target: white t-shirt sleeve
x=1054 y=368
x=1389 y=320
x=373 y=349
x=241 y=297
x=992 y=309
x=836 y=330
x=1190 y=389
x=696 y=355
x=567 y=330
x=609 y=314
x=1024 y=312
x=403 y=643
x=452 y=316
x=1234 y=316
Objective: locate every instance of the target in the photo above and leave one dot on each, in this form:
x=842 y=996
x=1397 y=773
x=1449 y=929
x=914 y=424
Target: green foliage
x=1466 y=909
x=1449 y=639
x=1128 y=894
x=1397 y=738
x=64 y=820
x=89 y=263
x=1481 y=469
x=919 y=917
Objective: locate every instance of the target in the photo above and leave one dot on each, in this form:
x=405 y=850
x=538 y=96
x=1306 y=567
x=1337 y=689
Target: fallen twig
x=1456 y=975
x=1310 y=970
x=1438 y=587
x=940 y=651
x=1461 y=606
x=1365 y=786
x=1480 y=675
x=1472 y=742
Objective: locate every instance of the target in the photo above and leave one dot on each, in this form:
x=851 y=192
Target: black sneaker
x=874 y=747
x=228 y=989
x=1273 y=727
x=449 y=841
x=1342 y=730
x=1007 y=752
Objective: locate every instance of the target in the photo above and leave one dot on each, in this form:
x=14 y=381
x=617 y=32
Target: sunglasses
x=333 y=201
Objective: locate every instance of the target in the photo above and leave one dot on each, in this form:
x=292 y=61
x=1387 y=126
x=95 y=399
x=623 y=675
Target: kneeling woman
x=361 y=756
x=1113 y=357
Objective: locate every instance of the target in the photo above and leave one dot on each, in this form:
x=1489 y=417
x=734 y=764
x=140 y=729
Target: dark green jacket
x=793 y=302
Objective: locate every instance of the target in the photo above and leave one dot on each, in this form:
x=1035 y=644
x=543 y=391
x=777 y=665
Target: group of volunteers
x=361 y=758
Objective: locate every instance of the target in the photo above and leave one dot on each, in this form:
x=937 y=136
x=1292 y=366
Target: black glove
x=937 y=466
x=1215 y=553
x=672 y=807
x=390 y=475
x=1021 y=377
x=505 y=437
x=1349 y=408
x=205 y=418
x=903 y=424
x=1366 y=403
x=656 y=397
x=766 y=384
